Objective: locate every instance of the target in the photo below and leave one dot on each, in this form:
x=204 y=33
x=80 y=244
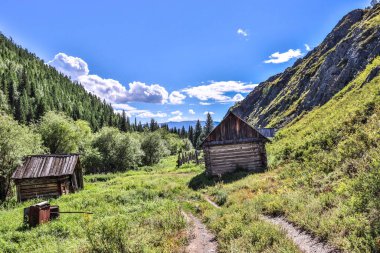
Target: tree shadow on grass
x=202 y=180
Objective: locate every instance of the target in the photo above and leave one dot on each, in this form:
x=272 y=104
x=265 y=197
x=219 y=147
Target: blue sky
x=170 y=59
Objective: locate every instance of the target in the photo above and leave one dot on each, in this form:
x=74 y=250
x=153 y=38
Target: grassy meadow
x=136 y=211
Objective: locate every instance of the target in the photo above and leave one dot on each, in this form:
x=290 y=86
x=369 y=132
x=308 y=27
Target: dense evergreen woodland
x=30 y=88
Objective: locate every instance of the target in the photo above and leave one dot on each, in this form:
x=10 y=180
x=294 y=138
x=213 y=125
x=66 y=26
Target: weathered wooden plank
x=234 y=156
x=234 y=168
x=234 y=151
x=38 y=186
x=38 y=181
x=26 y=197
x=233 y=146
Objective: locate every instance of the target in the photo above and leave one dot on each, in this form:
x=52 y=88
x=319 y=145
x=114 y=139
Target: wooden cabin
x=234 y=144
x=45 y=176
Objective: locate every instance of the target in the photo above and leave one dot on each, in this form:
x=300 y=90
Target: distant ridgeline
x=29 y=88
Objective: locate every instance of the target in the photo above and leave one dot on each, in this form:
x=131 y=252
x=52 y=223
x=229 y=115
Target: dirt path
x=211 y=202
x=305 y=242
x=201 y=240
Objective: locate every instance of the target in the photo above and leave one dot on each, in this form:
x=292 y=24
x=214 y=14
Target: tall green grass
x=138 y=211
x=325 y=171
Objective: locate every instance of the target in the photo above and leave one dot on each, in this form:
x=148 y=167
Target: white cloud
x=176 y=98
x=238 y=97
x=308 y=48
x=205 y=113
x=242 y=32
x=191 y=111
x=109 y=89
x=124 y=107
x=177 y=113
x=217 y=91
x=131 y=111
x=69 y=65
x=141 y=92
x=177 y=117
x=205 y=103
x=284 y=57
x=147 y=114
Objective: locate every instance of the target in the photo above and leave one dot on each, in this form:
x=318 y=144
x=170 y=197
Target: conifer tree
x=197 y=134
x=128 y=125
x=191 y=135
x=123 y=122
x=183 y=132
x=209 y=126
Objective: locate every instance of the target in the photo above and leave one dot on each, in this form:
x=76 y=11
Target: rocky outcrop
x=316 y=78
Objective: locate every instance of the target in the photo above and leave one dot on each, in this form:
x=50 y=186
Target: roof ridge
x=54 y=155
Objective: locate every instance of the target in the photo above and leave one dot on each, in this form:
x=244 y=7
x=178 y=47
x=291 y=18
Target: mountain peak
x=315 y=79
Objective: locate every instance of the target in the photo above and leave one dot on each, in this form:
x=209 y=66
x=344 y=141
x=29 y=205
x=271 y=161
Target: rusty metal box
x=38 y=214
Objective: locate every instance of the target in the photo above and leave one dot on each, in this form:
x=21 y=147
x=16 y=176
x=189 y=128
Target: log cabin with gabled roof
x=234 y=144
x=45 y=176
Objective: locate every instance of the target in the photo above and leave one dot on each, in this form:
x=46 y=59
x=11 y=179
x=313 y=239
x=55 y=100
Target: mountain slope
x=29 y=87
x=315 y=79
x=324 y=176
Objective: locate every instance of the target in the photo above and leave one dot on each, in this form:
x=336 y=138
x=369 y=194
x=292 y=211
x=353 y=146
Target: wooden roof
x=231 y=130
x=38 y=166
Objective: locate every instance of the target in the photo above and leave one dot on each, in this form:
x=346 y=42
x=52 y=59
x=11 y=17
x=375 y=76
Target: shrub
x=154 y=148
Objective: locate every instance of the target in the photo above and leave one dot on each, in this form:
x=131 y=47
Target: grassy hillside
x=325 y=173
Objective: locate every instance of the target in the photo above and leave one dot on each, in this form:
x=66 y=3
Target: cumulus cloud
x=177 y=112
x=238 y=97
x=131 y=111
x=191 y=111
x=109 y=89
x=284 y=57
x=205 y=113
x=124 y=107
x=69 y=65
x=141 y=92
x=147 y=114
x=242 y=32
x=205 y=103
x=308 y=48
x=177 y=116
x=176 y=98
x=217 y=91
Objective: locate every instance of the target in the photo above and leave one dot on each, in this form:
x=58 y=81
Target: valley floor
x=137 y=211
x=159 y=208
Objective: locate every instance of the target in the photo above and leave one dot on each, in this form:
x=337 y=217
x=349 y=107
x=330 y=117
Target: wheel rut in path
x=201 y=239
x=303 y=240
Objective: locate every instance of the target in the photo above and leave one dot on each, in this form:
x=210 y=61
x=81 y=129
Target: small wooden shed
x=234 y=144
x=48 y=176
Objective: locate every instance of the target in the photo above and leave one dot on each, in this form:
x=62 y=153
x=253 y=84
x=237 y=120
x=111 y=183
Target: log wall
x=222 y=159
x=42 y=187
